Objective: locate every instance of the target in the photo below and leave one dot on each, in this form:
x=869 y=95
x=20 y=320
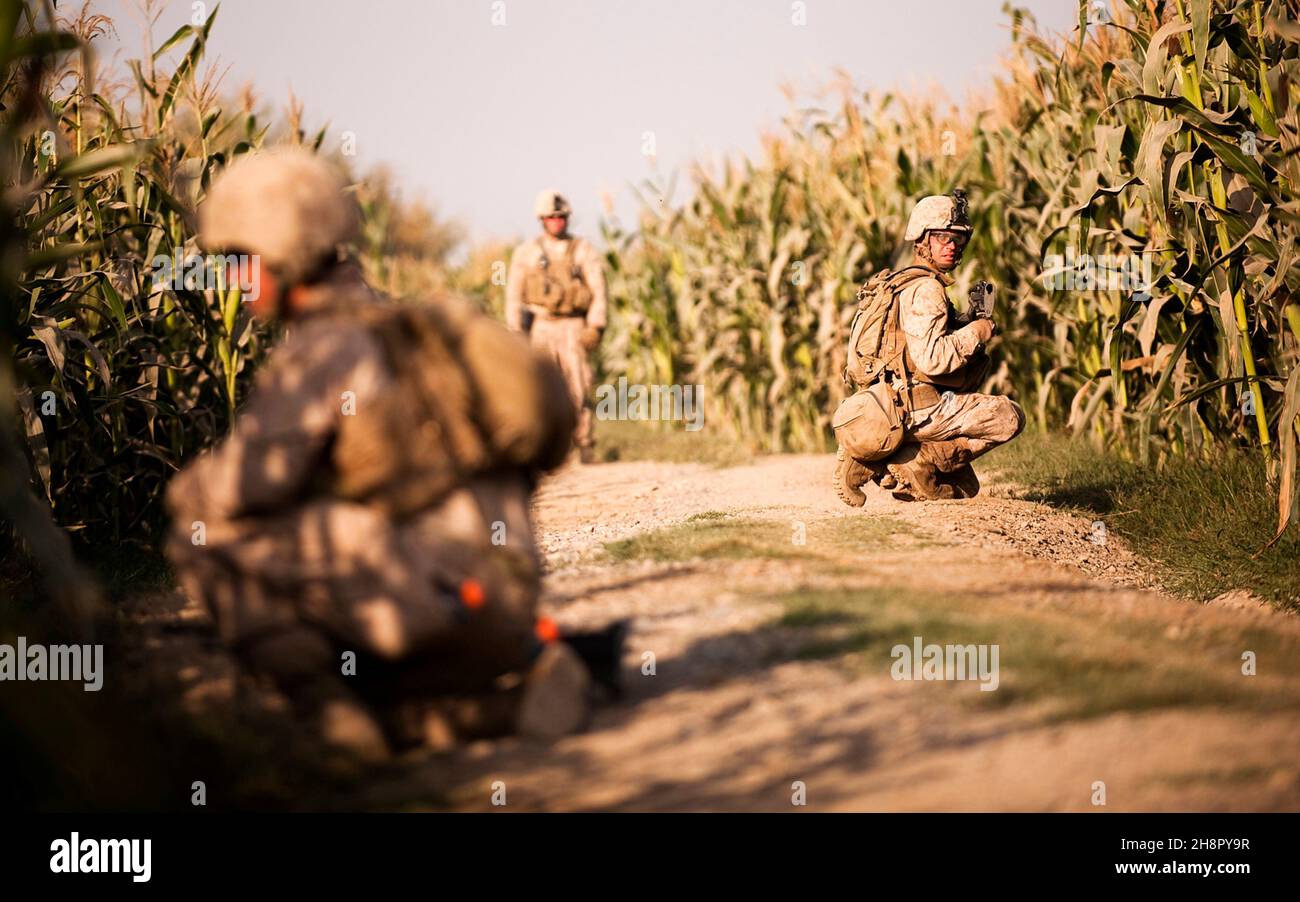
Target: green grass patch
x=707 y=516
x=643 y=440
x=1244 y=774
x=1202 y=521
x=1085 y=669
x=714 y=535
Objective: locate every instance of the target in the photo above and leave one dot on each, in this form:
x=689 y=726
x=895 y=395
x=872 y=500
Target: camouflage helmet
x=287 y=206
x=938 y=211
x=551 y=203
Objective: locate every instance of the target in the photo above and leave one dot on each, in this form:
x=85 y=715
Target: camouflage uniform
x=567 y=338
x=949 y=362
x=936 y=361
x=303 y=539
x=280 y=552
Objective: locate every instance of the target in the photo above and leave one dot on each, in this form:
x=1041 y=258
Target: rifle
x=981 y=300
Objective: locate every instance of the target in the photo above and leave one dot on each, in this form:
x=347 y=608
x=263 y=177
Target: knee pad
x=1011 y=420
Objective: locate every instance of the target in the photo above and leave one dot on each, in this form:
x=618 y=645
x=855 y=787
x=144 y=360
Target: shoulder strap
x=906 y=389
x=855 y=332
x=907 y=275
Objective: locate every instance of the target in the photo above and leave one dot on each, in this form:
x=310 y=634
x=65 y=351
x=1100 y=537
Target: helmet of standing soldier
x=551 y=203
x=947 y=212
x=287 y=206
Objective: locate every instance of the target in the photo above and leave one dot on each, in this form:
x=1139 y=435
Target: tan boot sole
x=842 y=491
x=555 y=694
x=906 y=491
x=347 y=726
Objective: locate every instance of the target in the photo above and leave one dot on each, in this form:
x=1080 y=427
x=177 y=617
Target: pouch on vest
x=560 y=289
x=469 y=397
x=869 y=424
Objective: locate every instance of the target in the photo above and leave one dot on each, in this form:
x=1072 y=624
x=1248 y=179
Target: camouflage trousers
x=560 y=339
x=442 y=602
x=985 y=421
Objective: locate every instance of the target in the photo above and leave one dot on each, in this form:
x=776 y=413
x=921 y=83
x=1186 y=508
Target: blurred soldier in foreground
x=363 y=535
x=556 y=293
x=917 y=421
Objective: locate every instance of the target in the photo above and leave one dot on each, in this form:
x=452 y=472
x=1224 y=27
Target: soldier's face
x=555 y=225
x=264 y=293
x=946 y=248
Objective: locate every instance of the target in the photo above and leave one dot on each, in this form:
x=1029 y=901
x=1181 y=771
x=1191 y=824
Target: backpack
x=469 y=397
x=874 y=342
x=868 y=424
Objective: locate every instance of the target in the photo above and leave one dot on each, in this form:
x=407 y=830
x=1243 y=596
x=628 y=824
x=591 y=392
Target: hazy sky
x=477 y=117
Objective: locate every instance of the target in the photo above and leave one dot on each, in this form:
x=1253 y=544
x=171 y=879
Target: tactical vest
x=469 y=397
x=560 y=289
x=878 y=346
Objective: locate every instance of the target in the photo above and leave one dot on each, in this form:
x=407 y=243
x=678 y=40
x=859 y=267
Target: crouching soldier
x=363 y=535
x=917 y=420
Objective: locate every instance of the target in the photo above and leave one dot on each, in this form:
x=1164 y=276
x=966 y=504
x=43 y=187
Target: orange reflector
x=546 y=629
x=471 y=594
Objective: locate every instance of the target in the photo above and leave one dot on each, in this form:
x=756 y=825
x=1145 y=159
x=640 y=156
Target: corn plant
x=122 y=375
x=1163 y=130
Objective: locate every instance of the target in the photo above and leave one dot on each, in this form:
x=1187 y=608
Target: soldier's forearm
x=514 y=312
x=948 y=353
x=599 y=298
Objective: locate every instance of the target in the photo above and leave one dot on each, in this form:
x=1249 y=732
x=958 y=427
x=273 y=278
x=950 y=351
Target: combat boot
x=554 y=700
x=914 y=468
x=850 y=475
x=301 y=662
x=952 y=458
x=963 y=481
x=440 y=723
x=348 y=725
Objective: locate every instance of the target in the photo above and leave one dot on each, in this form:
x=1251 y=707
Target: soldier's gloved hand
x=983 y=329
x=590 y=337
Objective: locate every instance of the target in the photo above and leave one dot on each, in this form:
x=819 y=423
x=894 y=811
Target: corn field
x=121 y=375
x=1162 y=130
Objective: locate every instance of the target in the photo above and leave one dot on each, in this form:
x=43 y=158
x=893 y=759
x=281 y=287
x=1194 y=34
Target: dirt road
x=764 y=616
x=766 y=620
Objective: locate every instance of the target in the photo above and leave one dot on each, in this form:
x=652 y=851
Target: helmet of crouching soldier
x=287 y=206
x=946 y=212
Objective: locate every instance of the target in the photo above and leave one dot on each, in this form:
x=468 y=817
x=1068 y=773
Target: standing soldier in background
x=918 y=420
x=556 y=293
x=363 y=535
